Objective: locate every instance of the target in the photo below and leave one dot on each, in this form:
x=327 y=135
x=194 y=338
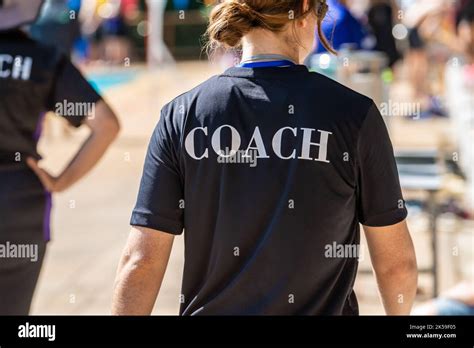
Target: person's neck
x=265 y=43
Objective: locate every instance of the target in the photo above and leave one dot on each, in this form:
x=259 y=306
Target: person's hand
x=49 y=182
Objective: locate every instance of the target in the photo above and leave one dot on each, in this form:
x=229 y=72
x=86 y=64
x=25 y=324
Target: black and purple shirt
x=34 y=79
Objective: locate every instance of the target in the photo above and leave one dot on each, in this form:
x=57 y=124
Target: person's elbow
x=105 y=122
x=110 y=125
x=392 y=252
x=404 y=268
x=140 y=261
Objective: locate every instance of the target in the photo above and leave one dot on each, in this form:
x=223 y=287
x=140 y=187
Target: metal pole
x=157 y=53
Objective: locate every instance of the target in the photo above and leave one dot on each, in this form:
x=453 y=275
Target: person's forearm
x=394 y=261
x=398 y=289
x=104 y=127
x=89 y=154
x=135 y=291
x=141 y=271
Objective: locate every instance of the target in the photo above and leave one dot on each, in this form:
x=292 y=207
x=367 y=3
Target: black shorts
x=24 y=231
x=18 y=278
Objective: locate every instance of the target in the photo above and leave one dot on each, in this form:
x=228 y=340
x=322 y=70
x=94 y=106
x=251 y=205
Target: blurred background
x=415 y=58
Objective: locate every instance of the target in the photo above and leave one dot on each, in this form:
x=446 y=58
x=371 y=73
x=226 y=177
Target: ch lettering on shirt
x=257 y=145
x=17 y=67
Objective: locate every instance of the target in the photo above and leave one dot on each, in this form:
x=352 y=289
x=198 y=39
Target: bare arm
x=104 y=128
x=141 y=271
x=394 y=262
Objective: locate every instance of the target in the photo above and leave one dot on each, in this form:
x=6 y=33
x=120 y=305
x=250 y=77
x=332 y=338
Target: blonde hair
x=230 y=20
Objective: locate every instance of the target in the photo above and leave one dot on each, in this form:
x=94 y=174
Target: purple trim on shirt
x=39 y=127
x=47 y=216
x=47 y=195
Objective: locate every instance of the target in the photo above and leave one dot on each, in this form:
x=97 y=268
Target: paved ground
x=90 y=221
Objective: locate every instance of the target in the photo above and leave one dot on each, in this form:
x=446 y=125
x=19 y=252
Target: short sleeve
x=72 y=96
x=160 y=199
x=380 y=200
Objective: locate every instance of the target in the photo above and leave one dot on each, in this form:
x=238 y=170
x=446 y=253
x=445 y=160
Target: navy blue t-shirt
x=269 y=172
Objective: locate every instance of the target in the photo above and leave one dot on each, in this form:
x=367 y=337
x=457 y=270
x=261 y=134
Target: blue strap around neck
x=267 y=64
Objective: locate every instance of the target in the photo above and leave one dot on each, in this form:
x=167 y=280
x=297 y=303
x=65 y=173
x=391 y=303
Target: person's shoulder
x=174 y=113
x=48 y=53
x=184 y=100
x=339 y=95
x=45 y=56
x=51 y=51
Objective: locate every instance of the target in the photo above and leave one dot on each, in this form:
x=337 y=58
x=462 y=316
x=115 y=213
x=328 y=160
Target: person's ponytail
x=229 y=22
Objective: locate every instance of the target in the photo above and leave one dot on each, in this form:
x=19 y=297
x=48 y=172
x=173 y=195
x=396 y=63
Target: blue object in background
x=56 y=27
x=81 y=48
x=341 y=27
x=446 y=306
x=181 y=4
x=74 y=5
x=104 y=81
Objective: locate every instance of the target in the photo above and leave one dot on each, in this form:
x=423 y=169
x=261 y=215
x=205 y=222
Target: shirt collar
x=266 y=72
